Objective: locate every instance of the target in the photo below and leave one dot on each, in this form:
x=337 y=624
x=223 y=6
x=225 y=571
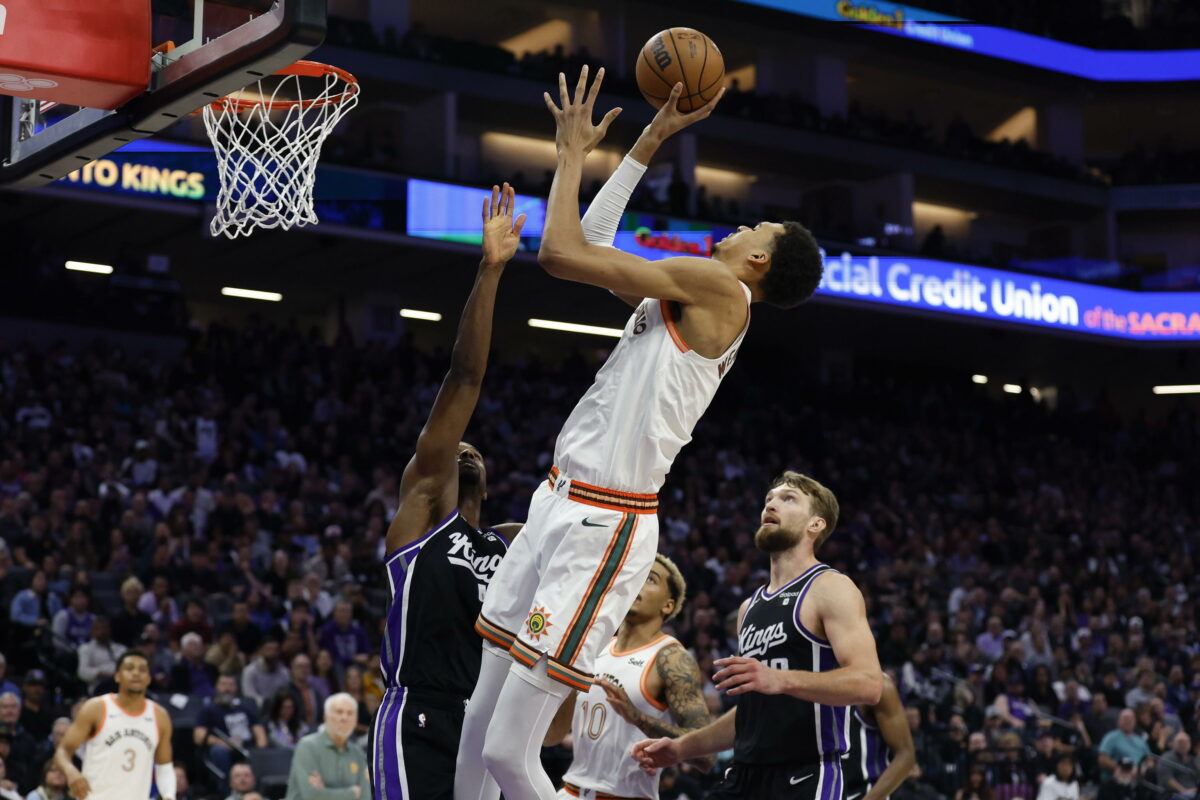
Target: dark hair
x=796 y=267
x=130 y=654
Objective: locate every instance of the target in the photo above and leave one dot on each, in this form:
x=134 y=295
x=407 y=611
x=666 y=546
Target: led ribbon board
x=997 y=295
x=910 y=22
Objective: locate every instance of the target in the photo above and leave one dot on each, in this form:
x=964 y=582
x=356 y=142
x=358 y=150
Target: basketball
x=680 y=55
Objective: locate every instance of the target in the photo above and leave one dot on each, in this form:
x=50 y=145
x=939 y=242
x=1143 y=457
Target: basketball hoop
x=268 y=142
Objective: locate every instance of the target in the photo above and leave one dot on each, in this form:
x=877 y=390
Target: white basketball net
x=267 y=153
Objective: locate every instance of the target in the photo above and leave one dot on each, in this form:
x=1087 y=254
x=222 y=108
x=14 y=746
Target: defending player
x=439 y=562
x=881 y=754
x=647 y=685
x=592 y=534
x=128 y=739
x=804 y=638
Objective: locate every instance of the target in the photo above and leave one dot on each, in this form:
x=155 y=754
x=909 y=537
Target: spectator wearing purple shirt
x=991 y=641
x=343 y=637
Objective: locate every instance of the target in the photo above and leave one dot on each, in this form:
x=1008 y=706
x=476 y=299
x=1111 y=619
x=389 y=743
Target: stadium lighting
x=83 y=266
x=1012 y=388
x=428 y=316
x=572 y=327
x=981 y=379
x=251 y=294
x=1186 y=388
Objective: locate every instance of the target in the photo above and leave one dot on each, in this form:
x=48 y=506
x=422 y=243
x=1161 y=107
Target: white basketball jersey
x=602 y=739
x=627 y=429
x=118 y=761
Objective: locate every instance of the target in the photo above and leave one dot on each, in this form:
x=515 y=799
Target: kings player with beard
x=439 y=561
x=806 y=653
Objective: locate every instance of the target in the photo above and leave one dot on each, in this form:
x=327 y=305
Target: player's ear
x=816 y=525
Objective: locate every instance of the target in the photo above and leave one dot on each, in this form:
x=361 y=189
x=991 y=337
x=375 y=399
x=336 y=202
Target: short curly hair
x=797 y=263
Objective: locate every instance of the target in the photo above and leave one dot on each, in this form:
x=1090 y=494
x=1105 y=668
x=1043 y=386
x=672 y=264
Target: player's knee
x=501 y=755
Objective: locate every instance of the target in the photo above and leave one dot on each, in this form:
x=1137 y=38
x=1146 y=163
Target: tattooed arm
x=679 y=679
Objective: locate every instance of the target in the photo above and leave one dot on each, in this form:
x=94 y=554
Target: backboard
x=200 y=50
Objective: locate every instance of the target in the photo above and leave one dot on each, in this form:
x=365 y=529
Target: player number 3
x=130 y=761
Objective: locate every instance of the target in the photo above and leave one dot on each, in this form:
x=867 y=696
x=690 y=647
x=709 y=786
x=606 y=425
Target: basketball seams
x=682 y=72
x=654 y=70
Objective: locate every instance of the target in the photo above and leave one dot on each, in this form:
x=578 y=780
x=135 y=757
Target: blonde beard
x=777 y=540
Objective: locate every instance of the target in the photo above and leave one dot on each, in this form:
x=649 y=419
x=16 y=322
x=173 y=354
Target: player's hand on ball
x=620 y=702
x=575 y=129
x=80 y=788
x=739 y=675
x=501 y=234
x=656 y=754
x=670 y=120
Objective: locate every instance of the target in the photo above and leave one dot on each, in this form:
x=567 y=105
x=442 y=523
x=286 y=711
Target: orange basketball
x=680 y=55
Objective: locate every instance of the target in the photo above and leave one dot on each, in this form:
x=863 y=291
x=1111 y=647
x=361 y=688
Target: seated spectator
x=1062 y=785
x=325 y=673
x=129 y=623
x=976 y=787
x=343 y=637
x=193 y=675
x=284 y=728
x=195 y=620
x=265 y=675
x=248 y=635
x=183 y=787
x=328 y=759
x=241 y=783
x=21 y=744
x=1123 y=743
x=304 y=691
x=32 y=608
x=159 y=604
x=225 y=655
x=72 y=626
x=1179 y=769
x=98 y=656
x=1144 y=691
x=45 y=750
x=236 y=723
x=53 y=785
x=161 y=660
x=37 y=711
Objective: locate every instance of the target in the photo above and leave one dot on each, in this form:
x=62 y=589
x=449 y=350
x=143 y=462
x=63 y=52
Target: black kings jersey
x=437 y=585
x=778 y=729
x=867 y=758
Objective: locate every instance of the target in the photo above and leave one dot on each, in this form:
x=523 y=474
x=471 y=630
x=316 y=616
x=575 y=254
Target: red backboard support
x=76 y=52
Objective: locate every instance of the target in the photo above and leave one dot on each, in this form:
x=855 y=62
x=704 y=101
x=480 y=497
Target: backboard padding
x=265 y=43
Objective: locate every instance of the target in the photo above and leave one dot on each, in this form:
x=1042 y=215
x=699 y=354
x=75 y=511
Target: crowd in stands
x=1030 y=573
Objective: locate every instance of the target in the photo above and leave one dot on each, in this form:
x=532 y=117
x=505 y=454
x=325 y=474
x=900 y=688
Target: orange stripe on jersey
x=664 y=307
x=649 y=698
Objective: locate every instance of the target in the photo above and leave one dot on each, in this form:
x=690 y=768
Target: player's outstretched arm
x=859 y=679
x=90 y=718
x=565 y=253
x=655 y=754
x=429 y=487
x=604 y=213
x=889 y=716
